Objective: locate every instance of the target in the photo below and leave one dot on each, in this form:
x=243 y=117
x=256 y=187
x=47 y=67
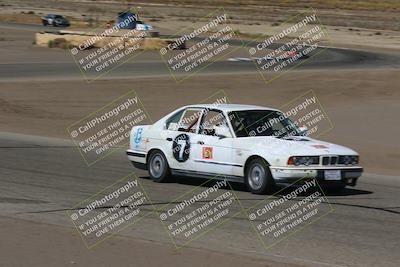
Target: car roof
x=230 y=107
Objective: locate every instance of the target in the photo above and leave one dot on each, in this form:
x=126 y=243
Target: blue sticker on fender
x=138 y=136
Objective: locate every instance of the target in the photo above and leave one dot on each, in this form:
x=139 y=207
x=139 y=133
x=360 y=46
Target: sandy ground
x=367 y=24
x=363 y=105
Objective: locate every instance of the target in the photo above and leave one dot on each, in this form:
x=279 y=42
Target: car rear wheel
x=258 y=177
x=158 y=167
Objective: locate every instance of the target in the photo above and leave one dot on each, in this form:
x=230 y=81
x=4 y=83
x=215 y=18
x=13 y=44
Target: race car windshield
x=248 y=123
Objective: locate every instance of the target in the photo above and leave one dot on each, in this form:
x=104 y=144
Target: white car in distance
x=141 y=26
x=254 y=145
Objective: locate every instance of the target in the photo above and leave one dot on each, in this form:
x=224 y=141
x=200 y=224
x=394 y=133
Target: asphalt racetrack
x=41 y=178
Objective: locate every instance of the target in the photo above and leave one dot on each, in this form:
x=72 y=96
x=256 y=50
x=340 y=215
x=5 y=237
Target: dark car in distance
x=55 y=20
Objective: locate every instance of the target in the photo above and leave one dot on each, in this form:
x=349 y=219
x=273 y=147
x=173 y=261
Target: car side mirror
x=303 y=130
x=173 y=126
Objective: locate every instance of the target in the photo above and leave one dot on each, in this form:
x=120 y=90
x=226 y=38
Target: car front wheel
x=258 y=177
x=158 y=167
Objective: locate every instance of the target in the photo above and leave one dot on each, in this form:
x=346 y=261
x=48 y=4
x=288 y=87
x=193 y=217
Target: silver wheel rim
x=157 y=166
x=256 y=176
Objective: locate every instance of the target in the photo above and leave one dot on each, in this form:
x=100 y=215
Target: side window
x=172 y=122
x=189 y=120
x=214 y=123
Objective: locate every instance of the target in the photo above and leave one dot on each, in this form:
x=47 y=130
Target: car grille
x=336 y=160
x=329 y=160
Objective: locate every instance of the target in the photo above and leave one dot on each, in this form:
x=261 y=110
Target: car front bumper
x=289 y=175
x=138 y=158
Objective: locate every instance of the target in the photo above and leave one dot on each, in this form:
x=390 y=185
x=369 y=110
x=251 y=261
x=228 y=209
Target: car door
x=180 y=130
x=212 y=146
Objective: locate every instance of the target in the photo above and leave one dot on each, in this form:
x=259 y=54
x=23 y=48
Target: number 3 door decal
x=181 y=147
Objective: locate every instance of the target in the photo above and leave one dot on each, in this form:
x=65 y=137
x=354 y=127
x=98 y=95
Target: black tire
x=44 y=22
x=258 y=177
x=158 y=167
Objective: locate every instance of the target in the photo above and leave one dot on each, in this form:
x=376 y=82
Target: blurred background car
x=55 y=20
x=133 y=22
x=141 y=26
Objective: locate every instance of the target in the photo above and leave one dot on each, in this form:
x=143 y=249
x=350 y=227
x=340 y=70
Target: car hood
x=294 y=146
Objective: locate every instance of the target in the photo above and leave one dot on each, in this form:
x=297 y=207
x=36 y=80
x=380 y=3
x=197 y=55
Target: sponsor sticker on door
x=207 y=152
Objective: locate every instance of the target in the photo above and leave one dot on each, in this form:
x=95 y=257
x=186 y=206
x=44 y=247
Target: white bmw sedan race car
x=254 y=145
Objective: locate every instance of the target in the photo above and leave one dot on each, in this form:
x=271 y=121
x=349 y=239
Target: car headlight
x=303 y=160
x=348 y=160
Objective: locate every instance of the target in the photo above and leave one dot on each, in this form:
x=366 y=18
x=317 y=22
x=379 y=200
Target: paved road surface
x=41 y=178
x=139 y=67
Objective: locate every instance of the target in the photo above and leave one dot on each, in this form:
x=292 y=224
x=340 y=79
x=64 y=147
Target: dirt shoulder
x=355 y=24
x=362 y=105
